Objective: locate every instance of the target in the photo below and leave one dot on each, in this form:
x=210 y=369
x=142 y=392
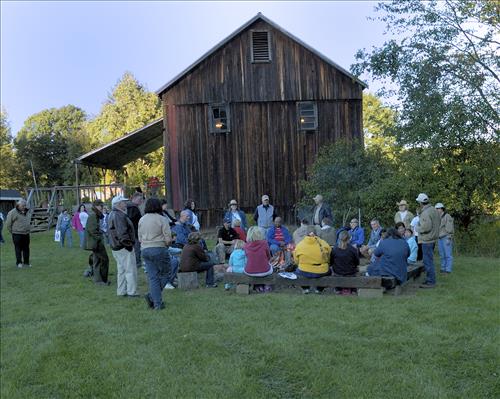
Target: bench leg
x=243 y=289
x=371 y=292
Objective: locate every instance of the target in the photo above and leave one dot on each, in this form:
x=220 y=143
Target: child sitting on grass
x=237 y=260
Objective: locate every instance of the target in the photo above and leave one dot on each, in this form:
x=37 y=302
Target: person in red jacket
x=241 y=232
x=258 y=254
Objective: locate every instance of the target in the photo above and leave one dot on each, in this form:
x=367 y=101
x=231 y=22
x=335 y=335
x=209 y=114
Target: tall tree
x=443 y=58
x=51 y=140
x=129 y=107
x=378 y=123
x=9 y=174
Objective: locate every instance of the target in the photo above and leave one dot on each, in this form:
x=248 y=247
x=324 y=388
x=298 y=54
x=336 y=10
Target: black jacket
x=121 y=231
x=134 y=214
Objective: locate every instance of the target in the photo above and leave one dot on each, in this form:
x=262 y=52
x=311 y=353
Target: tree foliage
x=9 y=172
x=443 y=59
x=129 y=107
x=51 y=140
x=378 y=124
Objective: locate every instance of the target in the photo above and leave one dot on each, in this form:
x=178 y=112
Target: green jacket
x=18 y=222
x=428 y=225
x=93 y=234
x=446 y=228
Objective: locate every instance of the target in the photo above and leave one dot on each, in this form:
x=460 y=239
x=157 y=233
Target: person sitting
x=412 y=243
x=344 y=260
x=257 y=253
x=312 y=256
x=400 y=227
x=192 y=217
x=327 y=232
x=195 y=259
x=181 y=230
x=392 y=252
x=301 y=232
x=357 y=234
x=239 y=230
x=237 y=260
x=226 y=237
x=171 y=219
x=235 y=214
x=367 y=250
x=278 y=237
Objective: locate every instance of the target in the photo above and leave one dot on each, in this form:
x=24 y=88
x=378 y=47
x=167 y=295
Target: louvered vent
x=261 y=49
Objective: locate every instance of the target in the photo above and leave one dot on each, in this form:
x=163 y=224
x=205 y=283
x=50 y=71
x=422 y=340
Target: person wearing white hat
x=428 y=234
x=445 y=243
x=122 y=241
x=403 y=215
x=264 y=214
x=234 y=213
x=320 y=211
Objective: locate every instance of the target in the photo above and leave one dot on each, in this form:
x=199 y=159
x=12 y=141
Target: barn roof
x=259 y=16
x=126 y=149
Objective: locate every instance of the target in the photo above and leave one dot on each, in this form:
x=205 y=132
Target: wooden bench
x=367 y=286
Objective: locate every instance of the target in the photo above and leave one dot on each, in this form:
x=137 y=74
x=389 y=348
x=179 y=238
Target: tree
x=443 y=60
x=129 y=107
x=51 y=140
x=9 y=175
x=378 y=124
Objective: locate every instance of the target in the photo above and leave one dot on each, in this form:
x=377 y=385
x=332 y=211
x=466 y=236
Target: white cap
x=422 y=198
x=439 y=205
x=265 y=197
x=118 y=198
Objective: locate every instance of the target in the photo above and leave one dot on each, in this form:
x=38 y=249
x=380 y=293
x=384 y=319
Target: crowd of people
x=164 y=246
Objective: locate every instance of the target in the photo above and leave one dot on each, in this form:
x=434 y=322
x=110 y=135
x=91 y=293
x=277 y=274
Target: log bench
x=367 y=286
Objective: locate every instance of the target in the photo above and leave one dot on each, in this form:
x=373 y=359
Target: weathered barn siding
x=265 y=152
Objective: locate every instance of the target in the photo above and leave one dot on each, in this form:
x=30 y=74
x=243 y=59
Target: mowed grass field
x=63 y=337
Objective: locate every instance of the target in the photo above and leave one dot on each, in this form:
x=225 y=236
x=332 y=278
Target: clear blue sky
x=59 y=53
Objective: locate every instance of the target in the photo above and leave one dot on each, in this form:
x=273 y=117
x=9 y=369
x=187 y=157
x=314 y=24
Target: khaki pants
x=126 y=276
x=221 y=250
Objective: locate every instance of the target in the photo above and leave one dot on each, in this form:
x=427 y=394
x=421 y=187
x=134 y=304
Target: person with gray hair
x=181 y=230
x=18 y=224
x=320 y=211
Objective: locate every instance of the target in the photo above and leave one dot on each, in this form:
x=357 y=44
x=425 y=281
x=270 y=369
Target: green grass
x=62 y=337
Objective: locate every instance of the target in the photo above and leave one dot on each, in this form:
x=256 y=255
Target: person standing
x=155 y=237
x=64 y=226
x=403 y=214
x=18 y=224
x=94 y=241
x=428 y=234
x=320 y=211
x=122 y=240
x=236 y=214
x=79 y=221
x=445 y=242
x=414 y=224
x=264 y=214
x=1 y=228
x=134 y=213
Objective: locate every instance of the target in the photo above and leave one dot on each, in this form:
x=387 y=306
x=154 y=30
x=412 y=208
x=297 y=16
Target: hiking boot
x=149 y=301
x=427 y=285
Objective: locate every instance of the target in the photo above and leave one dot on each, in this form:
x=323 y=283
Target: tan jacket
x=407 y=220
x=154 y=231
x=428 y=225
x=17 y=222
x=446 y=228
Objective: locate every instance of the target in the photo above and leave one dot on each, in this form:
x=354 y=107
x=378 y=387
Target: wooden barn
x=250 y=116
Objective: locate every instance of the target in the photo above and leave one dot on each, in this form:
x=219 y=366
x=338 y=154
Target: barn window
x=308 y=116
x=220 y=121
x=261 y=46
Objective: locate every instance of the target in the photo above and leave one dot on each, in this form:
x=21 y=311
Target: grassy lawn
x=63 y=337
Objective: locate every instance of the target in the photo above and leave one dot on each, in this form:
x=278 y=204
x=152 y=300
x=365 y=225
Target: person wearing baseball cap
x=234 y=213
x=122 y=240
x=94 y=241
x=264 y=214
x=226 y=237
x=445 y=242
x=403 y=215
x=320 y=211
x=428 y=234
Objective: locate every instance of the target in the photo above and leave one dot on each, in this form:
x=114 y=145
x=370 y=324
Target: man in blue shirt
x=181 y=230
x=357 y=234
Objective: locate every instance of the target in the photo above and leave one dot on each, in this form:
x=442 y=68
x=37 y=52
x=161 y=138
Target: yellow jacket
x=312 y=255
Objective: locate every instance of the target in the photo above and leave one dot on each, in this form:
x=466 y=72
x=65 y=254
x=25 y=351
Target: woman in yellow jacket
x=312 y=256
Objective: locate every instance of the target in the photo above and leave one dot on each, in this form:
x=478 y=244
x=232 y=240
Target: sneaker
x=20 y=265
x=211 y=286
x=162 y=306
x=26 y=265
x=149 y=301
x=305 y=291
x=427 y=285
x=133 y=295
x=169 y=287
x=316 y=291
x=102 y=283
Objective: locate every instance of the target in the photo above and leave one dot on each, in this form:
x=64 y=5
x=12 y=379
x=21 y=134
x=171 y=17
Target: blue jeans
x=174 y=267
x=445 y=247
x=66 y=230
x=428 y=255
x=82 y=238
x=157 y=262
x=137 y=248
